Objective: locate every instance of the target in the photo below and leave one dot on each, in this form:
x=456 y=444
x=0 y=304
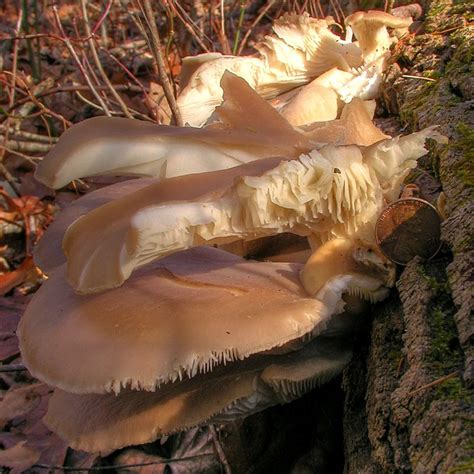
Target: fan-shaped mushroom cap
x=392 y=160
x=329 y=193
x=112 y=249
x=355 y=127
x=311 y=103
x=301 y=49
x=370 y=29
x=299 y=196
x=180 y=316
x=105 y=422
x=342 y=263
x=251 y=130
x=48 y=253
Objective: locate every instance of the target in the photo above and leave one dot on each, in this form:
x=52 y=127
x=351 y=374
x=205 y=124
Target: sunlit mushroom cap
x=355 y=127
x=175 y=318
x=250 y=129
x=332 y=192
x=370 y=29
x=348 y=266
x=301 y=48
x=106 y=422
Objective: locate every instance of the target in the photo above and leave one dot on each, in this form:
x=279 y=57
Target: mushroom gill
x=200 y=336
x=301 y=48
x=95 y=422
x=331 y=192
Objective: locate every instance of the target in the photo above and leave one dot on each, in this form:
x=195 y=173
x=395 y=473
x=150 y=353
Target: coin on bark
x=407 y=228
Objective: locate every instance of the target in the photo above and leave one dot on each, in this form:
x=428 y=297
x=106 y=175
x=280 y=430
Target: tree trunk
x=408 y=403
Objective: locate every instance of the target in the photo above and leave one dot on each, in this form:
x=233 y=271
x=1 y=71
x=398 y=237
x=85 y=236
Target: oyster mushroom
x=47 y=253
x=175 y=318
x=301 y=49
x=332 y=192
x=250 y=129
x=260 y=340
x=141 y=417
x=354 y=127
x=360 y=263
x=370 y=29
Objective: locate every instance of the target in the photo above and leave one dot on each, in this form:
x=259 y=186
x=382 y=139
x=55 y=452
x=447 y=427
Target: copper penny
x=407 y=228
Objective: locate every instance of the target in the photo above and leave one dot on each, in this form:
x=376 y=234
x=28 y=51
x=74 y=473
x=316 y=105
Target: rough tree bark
x=408 y=404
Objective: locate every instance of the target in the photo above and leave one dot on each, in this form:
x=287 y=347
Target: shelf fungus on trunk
x=302 y=49
x=336 y=191
x=250 y=129
x=197 y=337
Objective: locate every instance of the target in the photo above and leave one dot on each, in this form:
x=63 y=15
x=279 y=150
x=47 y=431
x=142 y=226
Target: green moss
x=445 y=355
x=452 y=389
x=445 y=14
x=467 y=467
x=465 y=144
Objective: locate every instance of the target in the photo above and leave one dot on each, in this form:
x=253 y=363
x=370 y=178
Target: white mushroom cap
x=370 y=29
x=251 y=130
x=174 y=319
x=355 y=127
x=301 y=49
x=105 y=422
x=332 y=192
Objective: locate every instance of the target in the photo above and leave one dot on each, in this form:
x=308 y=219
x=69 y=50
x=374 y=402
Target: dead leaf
x=12 y=279
x=157 y=104
x=19 y=458
x=19 y=401
x=183 y=453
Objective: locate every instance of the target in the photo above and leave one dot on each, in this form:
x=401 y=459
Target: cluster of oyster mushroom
x=155 y=317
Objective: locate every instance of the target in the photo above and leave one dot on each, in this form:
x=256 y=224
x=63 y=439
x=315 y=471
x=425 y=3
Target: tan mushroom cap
x=371 y=32
x=105 y=422
x=352 y=266
x=98 y=256
x=312 y=103
x=175 y=318
x=355 y=127
x=48 y=253
x=251 y=130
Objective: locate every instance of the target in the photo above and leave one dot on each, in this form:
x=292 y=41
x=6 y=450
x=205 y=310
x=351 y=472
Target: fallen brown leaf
x=19 y=458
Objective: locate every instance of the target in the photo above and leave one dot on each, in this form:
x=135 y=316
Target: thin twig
x=31 y=147
x=28 y=135
x=122 y=466
x=188 y=24
x=434 y=383
x=30 y=159
x=156 y=51
x=98 y=64
x=3 y=170
x=219 y=450
x=12 y=368
x=73 y=53
x=253 y=25
x=421 y=78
